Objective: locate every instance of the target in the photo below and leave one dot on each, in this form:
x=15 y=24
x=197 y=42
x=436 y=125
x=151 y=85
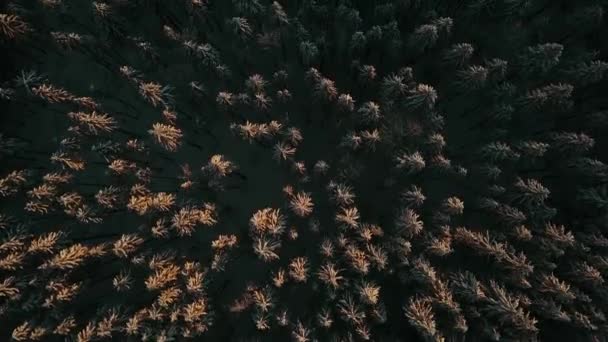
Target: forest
x=303 y=170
